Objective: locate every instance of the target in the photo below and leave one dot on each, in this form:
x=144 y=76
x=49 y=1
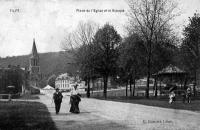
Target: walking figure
x=172 y=97
x=74 y=100
x=57 y=97
x=188 y=95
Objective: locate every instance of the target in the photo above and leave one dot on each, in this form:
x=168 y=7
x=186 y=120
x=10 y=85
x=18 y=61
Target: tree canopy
x=150 y=19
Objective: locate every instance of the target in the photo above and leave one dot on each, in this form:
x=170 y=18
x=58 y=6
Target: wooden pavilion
x=172 y=76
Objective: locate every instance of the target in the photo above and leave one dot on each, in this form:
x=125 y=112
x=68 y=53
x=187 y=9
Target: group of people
x=186 y=96
x=74 y=100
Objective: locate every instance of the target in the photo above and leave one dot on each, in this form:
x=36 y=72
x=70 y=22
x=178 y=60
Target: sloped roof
x=171 y=70
x=48 y=87
x=64 y=76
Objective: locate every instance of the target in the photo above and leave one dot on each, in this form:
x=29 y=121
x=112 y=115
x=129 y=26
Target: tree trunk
x=133 y=87
x=88 y=88
x=148 y=68
x=126 y=88
x=195 y=83
x=105 y=86
x=185 y=83
x=148 y=78
x=160 y=87
x=156 y=87
x=130 y=83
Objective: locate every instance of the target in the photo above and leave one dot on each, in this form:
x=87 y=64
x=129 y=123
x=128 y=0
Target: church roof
x=34 y=50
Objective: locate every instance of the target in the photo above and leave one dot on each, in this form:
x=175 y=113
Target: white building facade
x=63 y=82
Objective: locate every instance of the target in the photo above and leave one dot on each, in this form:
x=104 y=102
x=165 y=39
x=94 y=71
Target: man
x=57 y=96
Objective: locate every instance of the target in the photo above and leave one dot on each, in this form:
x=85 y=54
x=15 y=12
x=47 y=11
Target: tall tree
x=131 y=60
x=149 y=19
x=51 y=80
x=191 y=46
x=79 y=44
x=105 y=51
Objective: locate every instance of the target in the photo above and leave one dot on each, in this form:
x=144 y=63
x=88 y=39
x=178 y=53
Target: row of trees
x=149 y=46
x=190 y=48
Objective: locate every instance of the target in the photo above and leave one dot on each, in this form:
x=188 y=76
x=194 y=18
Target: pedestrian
x=57 y=97
x=189 y=93
x=171 y=97
x=74 y=100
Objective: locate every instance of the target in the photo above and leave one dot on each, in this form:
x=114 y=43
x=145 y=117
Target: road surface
x=108 y=115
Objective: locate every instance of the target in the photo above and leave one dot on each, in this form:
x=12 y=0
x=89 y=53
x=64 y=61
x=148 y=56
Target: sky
x=49 y=21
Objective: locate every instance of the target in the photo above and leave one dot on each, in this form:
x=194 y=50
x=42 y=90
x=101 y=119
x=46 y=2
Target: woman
x=171 y=97
x=74 y=100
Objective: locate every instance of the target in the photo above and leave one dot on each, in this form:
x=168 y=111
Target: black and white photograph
x=99 y=64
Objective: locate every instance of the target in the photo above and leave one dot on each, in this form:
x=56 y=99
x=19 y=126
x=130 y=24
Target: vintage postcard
x=99 y=65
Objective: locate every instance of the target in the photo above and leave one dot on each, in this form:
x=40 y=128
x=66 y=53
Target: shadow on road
x=88 y=121
x=25 y=115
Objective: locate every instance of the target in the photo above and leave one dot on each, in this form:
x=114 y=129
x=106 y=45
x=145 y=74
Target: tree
x=131 y=60
x=51 y=80
x=191 y=45
x=79 y=44
x=149 y=19
x=105 y=52
x=85 y=58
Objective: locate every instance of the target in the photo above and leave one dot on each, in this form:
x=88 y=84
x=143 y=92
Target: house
x=98 y=84
x=64 y=82
x=12 y=76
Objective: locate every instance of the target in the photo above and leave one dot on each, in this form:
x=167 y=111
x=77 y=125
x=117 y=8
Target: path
x=108 y=115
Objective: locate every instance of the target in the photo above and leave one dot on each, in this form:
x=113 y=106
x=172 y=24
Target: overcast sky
x=48 y=21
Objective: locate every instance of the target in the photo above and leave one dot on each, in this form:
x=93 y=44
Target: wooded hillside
x=50 y=63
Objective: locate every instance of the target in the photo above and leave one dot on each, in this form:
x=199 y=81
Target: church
x=23 y=79
x=34 y=67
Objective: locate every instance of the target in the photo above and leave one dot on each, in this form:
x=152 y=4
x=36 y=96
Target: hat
x=57 y=88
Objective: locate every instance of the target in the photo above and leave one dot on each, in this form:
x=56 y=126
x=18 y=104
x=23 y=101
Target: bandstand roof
x=170 y=70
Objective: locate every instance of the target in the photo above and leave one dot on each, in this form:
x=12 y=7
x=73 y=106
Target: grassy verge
x=25 y=115
x=162 y=102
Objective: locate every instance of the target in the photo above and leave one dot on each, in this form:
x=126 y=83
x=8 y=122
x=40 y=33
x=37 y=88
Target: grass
x=159 y=102
x=25 y=116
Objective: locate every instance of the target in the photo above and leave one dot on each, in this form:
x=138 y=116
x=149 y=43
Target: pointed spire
x=34 y=49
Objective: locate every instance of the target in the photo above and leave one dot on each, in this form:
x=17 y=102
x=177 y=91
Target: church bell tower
x=34 y=67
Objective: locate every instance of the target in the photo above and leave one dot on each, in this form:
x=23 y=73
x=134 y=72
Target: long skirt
x=74 y=100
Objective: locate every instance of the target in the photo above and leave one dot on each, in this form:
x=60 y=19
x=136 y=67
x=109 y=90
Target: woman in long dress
x=74 y=100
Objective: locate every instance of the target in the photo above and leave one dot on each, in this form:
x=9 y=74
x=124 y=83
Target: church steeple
x=34 y=50
x=34 y=60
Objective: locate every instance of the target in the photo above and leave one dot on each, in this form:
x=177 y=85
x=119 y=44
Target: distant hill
x=50 y=63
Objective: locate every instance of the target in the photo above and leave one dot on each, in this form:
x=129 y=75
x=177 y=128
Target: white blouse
x=74 y=92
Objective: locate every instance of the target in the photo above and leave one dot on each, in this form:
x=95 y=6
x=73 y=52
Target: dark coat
x=57 y=96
